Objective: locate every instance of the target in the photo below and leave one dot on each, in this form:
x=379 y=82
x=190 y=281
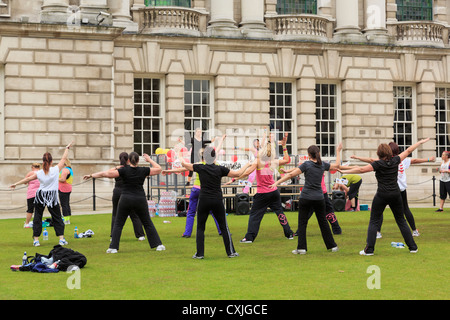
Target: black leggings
x=137 y=225
x=262 y=201
x=379 y=203
x=57 y=221
x=138 y=204
x=204 y=206
x=305 y=206
x=407 y=212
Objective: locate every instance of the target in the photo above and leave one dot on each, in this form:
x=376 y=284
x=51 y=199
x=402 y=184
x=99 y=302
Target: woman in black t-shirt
x=388 y=193
x=132 y=199
x=117 y=192
x=311 y=198
x=211 y=199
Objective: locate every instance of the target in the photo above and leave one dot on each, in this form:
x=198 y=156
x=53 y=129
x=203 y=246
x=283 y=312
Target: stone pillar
x=222 y=22
x=120 y=10
x=347 y=21
x=426 y=112
x=95 y=12
x=324 y=8
x=306 y=114
x=375 y=21
x=55 y=11
x=252 y=24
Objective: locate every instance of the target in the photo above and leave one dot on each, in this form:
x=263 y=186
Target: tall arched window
x=164 y=3
x=296 y=6
x=414 y=10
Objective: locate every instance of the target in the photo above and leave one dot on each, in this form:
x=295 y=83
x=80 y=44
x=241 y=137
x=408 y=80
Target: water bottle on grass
x=24 y=258
x=398 y=245
x=45 y=234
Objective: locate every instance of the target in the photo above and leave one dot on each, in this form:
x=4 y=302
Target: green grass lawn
x=265 y=269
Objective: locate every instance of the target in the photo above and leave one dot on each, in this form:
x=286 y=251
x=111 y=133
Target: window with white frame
x=326 y=119
x=403 y=116
x=442 y=107
x=147 y=120
x=197 y=106
x=281 y=112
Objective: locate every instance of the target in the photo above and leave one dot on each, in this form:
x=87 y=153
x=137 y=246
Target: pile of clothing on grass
x=58 y=259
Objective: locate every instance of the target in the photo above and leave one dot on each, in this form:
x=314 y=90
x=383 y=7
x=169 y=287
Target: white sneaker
x=335 y=249
x=160 y=248
x=36 y=243
x=413 y=251
x=363 y=253
x=28 y=225
x=416 y=233
x=299 y=251
x=111 y=250
x=141 y=238
x=379 y=236
x=63 y=242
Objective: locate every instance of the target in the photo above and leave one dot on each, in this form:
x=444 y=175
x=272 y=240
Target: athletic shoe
x=233 y=255
x=439 y=210
x=28 y=225
x=363 y=253
x=160 y=248
x=36 y=243
x=299 y=251
x=413 y=251
x=291 y=237
x=63 y=242
x=141 y=238
x=246 y=241
x=335 y=249
x=195 y=256
x=379 y=236
x=111 y=250
x=185 y=236
x=416 y=233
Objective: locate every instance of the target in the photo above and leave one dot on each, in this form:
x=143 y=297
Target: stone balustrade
x=419 y=33
x=299 y=26
x=172 y=20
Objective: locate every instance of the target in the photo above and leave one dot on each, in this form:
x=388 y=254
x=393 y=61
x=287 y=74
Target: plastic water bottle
x=399 y=245
x=45 y=234
x=24 y=258
x=75 y=234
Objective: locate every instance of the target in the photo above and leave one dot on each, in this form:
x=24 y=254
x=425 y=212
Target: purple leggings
x=192 y=210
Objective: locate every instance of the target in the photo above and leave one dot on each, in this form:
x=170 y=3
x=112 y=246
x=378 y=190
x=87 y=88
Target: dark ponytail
x=134 y=158
x=46 y=161
x=123 y=157
x=314 y=153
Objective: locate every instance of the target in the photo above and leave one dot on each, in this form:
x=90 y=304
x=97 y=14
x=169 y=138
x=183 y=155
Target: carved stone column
x=222 y=22
x=120 y=10
x=252 y=24
x=55 y=11
x=375 y=21
x=95 y=12
x=347 y=22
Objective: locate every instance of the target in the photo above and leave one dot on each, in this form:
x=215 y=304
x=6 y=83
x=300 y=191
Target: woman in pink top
x=266 y=196
x=33 y=185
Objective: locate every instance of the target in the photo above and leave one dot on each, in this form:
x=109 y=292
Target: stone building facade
x=123 y=75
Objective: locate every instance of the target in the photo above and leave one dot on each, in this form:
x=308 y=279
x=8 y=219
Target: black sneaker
x=246 y=241
x=439 y=210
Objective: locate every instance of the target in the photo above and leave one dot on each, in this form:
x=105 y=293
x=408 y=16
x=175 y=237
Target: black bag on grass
x=67 y=257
